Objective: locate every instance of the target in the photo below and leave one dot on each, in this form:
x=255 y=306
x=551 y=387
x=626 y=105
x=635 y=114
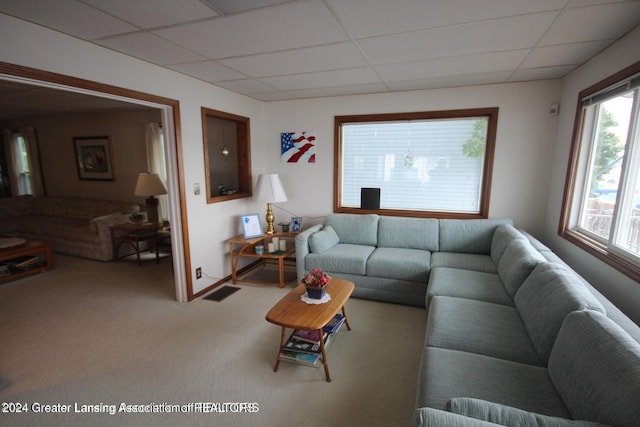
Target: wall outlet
x=198 y=273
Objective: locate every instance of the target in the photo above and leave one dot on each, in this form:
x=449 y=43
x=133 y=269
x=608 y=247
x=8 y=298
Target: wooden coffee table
x=292 y=312
x=30 y=247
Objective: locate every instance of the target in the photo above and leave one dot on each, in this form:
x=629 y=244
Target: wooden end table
x=292 y=312
x=135 y=233
x=241 y=247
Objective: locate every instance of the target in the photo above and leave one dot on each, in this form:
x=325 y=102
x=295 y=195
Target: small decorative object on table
x=316 y=282
x=285 y=226
x=136 y=217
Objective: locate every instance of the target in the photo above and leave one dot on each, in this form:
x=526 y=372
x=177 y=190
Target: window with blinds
x=434 y=164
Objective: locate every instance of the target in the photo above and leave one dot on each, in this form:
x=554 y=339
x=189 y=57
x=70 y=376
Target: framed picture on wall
x=93 y=158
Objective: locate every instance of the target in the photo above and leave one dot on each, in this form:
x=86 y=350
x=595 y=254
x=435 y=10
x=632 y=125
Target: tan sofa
x=73 y=226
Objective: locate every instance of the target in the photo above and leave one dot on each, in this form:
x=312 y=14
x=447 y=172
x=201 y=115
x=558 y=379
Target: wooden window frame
x=485 y=194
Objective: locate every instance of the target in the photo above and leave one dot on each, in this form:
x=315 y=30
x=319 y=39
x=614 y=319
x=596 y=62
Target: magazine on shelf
x=312 y=337
x=334 y=324
x=300 y=357
x=306 y=347
x=303 y=346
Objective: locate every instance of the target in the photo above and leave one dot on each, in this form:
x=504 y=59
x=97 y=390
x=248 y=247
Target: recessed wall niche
x=227 y=157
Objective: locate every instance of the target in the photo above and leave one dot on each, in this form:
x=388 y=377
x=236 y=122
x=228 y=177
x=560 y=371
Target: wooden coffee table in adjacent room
x=292 y=312
x=40 y=251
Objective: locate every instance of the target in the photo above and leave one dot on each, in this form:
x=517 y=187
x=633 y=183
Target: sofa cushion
x=460 y=283
x=323 y=240
x=479 y=327
x=476 y=262
x=76 y=230
x=509 y=416
x=595 y=365
x=430 y=417
x=342 y=258
x=79 y=208
x=355 y=229
x=468 y=236
x=518 y=261
x=15 y=206
x=445 y=374
x=399 y=263
x=502 y=237
x=545 y=298
x=410 y=233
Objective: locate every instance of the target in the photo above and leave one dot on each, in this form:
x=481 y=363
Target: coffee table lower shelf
x=30 y=248
x=291 y=312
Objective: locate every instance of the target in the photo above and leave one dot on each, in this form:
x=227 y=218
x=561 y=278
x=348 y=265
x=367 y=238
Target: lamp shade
x=269 y=188
x=149 y=184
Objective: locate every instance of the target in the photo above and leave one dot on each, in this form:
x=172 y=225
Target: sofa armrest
x=302 y=248
x=430 y=417
x=100 y=225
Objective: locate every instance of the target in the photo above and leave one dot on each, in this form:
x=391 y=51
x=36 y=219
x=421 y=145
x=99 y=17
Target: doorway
x=170 y=120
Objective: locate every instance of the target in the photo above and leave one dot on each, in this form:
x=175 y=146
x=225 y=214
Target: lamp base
x=152 y=209
x=270 y=218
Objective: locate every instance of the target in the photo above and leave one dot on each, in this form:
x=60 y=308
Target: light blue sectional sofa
x=513 y=335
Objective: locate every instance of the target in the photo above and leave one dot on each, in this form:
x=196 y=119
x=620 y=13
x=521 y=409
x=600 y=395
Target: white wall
x=209 y=226
x=621 y=290
x=525 y=138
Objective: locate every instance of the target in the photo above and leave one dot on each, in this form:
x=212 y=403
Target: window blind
x=418 y=165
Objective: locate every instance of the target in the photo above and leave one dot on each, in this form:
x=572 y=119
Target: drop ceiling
x=277 y=50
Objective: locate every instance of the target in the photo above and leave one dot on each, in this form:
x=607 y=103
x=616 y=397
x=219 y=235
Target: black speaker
x=370 y=199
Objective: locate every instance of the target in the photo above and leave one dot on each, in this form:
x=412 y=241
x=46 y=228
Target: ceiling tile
x=68 y=16
x=231 y=6
x=154 y=13
x=330 y=57
x=456 y=66
x=489 y=36
x=338 y=91
x=440 y=82
x=281 y=27
x=246 y=86
x=565 y=54
x=603 y=22
x=150 y=48
x=209 y=71
x=367 y=18
x=542 y=73
x=323 y=78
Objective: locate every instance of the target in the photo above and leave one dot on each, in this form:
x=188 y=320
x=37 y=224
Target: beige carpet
x=101 y=334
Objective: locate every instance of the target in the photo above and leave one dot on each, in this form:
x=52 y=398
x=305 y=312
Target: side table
x=134 y=234
x=241 y=247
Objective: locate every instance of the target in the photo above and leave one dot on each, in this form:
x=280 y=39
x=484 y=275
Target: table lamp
x=149 y=184
x=269 y=189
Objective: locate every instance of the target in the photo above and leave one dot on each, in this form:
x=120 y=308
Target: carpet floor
x=102 y=337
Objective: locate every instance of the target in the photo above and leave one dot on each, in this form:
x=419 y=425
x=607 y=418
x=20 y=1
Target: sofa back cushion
x=323 y=240
x=408 y=233
x=355 y=229
x=502 y=237
x=545 y=299
x=518 y=261
x=595 y=366
x=16 y=206
x=472 y=236
x=79 y=208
